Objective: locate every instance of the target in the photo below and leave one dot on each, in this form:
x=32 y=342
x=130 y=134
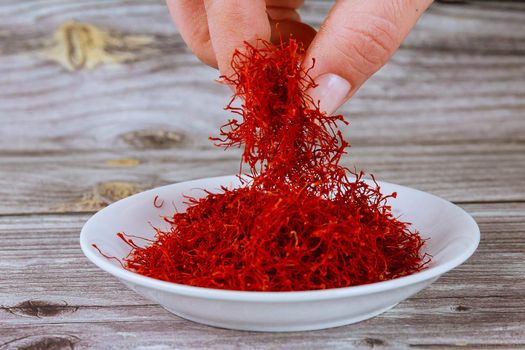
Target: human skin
x=355 y=40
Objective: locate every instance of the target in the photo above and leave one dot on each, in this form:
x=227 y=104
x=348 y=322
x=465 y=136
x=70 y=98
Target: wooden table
x=446 y=115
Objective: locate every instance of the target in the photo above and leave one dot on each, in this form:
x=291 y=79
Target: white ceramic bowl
x=453 y=234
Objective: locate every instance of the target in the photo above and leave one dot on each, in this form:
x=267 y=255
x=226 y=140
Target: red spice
x=300 y=222
x=156 y=204
x=109 y=257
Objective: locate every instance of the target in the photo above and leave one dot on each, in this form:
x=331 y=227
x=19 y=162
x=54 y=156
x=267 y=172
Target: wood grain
x=455 y=80
x=445 y=115
x=68 y=181
x=60 y=295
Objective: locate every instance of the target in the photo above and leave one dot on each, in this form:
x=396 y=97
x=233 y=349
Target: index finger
x=231 y=23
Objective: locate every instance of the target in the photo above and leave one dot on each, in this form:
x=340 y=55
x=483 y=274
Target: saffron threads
x=301 y=221
x=156 y=203
x=109 y=257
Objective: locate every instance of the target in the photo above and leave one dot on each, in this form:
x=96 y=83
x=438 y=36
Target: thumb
x=357 y=38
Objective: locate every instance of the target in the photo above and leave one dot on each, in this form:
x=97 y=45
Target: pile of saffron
x=300 y=221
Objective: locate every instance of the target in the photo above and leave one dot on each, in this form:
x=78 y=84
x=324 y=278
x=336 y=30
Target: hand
x=356 y=39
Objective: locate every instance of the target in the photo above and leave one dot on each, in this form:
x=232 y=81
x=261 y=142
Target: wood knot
x=102 y=195
x=461 y=308
x=78 y=45
x=113 y=191
x=41 y=308
x=123 y=162
x=153 y=139
x=42 y=342
x=372 y=342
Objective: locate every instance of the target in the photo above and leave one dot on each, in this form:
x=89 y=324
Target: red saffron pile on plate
x=301 y=221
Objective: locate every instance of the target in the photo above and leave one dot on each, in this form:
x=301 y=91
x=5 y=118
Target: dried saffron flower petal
x=300 y=222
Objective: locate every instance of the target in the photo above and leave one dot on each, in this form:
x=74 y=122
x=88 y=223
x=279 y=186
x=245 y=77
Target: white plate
x=453 y=234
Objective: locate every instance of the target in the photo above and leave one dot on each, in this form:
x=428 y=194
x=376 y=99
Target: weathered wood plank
x=61 y=181
x=416 y=324
x=174 y=334
x=455 y=80
x=446 y=115
x=439 y=90
x=30 y=242
x=496 y=209
x=61 y=297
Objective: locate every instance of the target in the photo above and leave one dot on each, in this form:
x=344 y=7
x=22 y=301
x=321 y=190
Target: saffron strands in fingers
x=301 y=221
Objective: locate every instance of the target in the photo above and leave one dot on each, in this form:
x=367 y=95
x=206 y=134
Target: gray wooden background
x=446 y=115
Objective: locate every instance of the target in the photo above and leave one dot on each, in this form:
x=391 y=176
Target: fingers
x=285 y=21
x=231 y=22
x=290 y=4
x=190 y=18
x=283 y=14
x=357 y=38
x=284 y=9
x=282 y=29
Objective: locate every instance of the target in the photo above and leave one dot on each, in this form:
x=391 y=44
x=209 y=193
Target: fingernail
x=331 y=91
